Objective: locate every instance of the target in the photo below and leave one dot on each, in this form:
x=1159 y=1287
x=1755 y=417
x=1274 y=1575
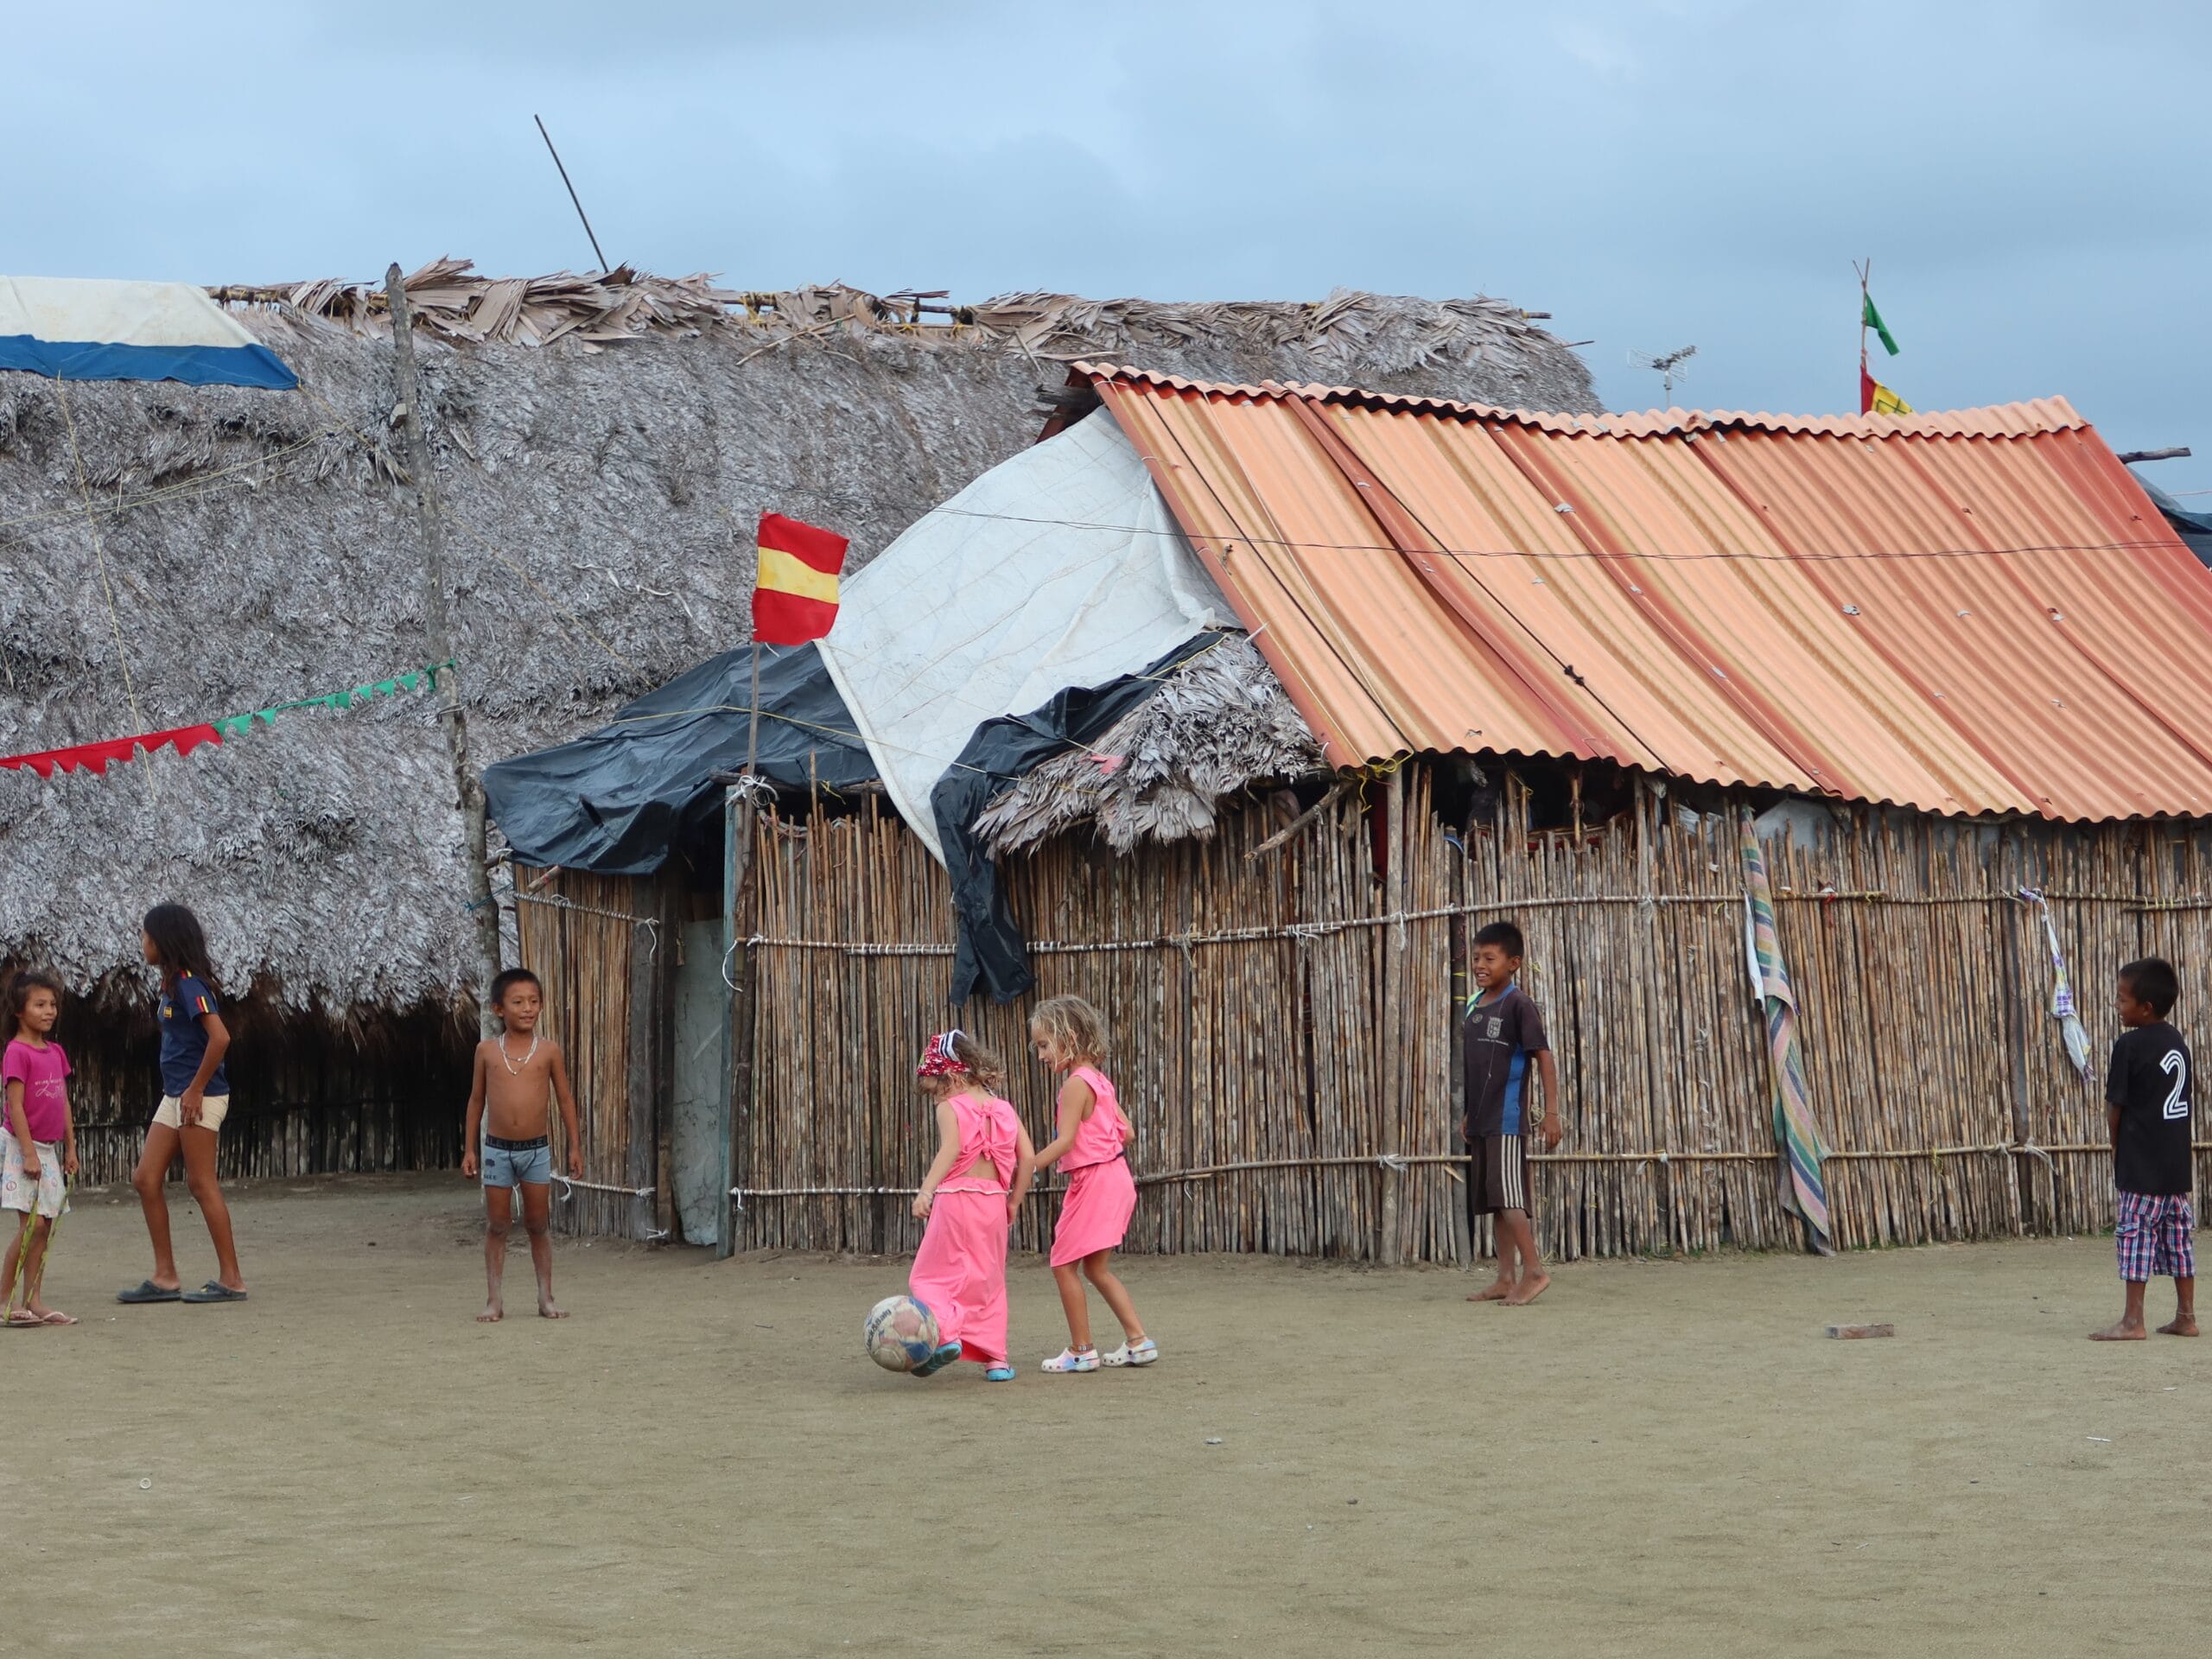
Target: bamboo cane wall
x=307 y=1097
x=1267 y=1051
x=593 y=941
x=1319 y=1039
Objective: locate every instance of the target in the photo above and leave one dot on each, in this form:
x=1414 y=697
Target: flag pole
x=753 y=716
x=1865 y=276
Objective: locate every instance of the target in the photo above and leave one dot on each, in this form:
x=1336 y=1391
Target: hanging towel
x=1803 y=1188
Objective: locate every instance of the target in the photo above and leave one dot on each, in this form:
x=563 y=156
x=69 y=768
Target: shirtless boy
x=516 y=1072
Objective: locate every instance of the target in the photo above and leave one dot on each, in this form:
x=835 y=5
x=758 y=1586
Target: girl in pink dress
x=974 y=1188
x=1070 y=1036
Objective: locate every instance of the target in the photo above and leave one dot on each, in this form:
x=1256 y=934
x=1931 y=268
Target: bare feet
x=2123 y=1331
x=493 y=1314
x=2182 y=1324
x=549 y=1309
x=1497 y=1291
x=1528 y=1290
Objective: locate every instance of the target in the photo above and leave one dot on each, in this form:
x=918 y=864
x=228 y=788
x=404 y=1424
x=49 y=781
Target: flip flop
x=213 y=1291
x=149 y=1291
x=22 y=1320
x=55 y=1316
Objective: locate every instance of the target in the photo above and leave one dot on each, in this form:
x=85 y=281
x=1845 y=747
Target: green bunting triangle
x=230 y=726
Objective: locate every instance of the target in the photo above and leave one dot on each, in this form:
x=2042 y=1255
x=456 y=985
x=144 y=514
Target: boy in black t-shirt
x=2147 y=1104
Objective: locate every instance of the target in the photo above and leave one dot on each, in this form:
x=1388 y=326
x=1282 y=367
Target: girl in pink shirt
x=969 y=1199
x=38 y=1143
x=1070 y=1036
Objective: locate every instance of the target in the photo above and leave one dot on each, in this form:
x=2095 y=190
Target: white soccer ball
x=900 y=1333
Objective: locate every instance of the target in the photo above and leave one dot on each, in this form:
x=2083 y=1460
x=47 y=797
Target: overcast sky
x=2032 y=179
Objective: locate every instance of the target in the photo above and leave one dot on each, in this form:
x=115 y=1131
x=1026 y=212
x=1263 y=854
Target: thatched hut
x=601 y=446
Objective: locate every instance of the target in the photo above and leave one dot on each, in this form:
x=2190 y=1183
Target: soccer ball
x=900 y=1333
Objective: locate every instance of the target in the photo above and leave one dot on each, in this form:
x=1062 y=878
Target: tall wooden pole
x=1865 y=276
x=451 y=714
x=740 y=908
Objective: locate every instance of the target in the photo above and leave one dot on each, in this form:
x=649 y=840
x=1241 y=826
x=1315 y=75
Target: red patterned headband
x=939 y=1059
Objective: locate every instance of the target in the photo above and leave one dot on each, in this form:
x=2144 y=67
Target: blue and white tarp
x=74 y=328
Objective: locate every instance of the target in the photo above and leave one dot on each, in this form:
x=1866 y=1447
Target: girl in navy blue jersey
x=195 y=1098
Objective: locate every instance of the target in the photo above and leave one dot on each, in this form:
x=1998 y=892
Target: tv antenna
x=1668 y=365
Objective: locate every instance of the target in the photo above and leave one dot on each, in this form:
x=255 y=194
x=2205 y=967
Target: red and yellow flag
x=1875 y=398
x=795 y=593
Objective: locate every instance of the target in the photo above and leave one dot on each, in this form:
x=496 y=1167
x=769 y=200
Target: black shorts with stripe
x=1498 y=1174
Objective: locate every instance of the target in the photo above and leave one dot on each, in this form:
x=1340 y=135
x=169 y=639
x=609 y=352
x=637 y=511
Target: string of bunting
x=96 y=757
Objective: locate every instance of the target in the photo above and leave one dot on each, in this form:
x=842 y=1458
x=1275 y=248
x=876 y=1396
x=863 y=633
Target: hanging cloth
x=1803 y=1190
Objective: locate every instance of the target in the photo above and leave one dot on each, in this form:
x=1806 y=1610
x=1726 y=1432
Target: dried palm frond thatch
x=603 y=445
x=1219 y=725
x=1348 y=334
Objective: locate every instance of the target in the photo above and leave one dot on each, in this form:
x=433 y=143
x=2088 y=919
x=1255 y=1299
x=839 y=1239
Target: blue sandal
x=147 y=1291
x=998 y=1374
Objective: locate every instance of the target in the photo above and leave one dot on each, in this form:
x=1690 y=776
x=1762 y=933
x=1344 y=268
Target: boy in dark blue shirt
x=1503 y=1034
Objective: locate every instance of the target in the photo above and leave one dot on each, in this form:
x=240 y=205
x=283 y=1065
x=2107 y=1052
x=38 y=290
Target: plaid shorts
x=2157 y=1235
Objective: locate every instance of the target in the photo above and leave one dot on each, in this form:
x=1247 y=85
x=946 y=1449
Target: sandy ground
x=1657 y=1459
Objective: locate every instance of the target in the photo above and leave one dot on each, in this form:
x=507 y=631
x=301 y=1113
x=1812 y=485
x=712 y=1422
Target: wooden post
x=1463 y=1236
x=639 y=1072
x=737 y=911
x=1399 y=999
x=452 y=717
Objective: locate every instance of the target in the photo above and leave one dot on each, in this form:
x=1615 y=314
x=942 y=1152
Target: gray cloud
x=2028 y=177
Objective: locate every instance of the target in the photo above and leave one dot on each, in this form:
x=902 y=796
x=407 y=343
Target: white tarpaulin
x=74 y=328
x=1061 y=567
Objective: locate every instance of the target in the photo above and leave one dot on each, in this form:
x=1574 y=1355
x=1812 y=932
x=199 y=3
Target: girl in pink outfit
x=1071 y=1037
x=38 y=1142
x=970 y=1198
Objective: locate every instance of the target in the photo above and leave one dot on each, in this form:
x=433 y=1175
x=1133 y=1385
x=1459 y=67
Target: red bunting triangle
x=96 y=757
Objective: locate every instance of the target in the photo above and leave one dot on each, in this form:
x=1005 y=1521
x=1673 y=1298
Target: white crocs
x=1073 y=1360
x=1143 y=1352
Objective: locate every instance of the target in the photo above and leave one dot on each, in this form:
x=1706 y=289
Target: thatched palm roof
x=1220 y=725
x=245 y=547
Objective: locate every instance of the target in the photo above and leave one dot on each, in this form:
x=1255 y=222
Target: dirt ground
x=1657 y=1459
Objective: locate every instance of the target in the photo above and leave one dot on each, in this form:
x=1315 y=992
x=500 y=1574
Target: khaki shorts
x=213 y=1110
x=45 y=1196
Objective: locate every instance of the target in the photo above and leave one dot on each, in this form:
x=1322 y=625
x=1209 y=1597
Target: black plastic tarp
x=991 y=952
x=2192 y=524
x=619 y=801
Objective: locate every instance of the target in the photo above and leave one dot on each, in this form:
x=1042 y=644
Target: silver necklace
x=514 y=1070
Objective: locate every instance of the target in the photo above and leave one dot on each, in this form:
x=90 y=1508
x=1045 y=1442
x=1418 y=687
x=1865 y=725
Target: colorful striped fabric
x=1799 y=1137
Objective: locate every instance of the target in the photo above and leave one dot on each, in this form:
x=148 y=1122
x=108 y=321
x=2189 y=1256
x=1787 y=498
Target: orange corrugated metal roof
x=1976 y=611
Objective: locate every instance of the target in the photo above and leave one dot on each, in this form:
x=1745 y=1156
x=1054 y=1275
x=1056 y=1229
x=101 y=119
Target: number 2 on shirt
x=2176 y=1063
